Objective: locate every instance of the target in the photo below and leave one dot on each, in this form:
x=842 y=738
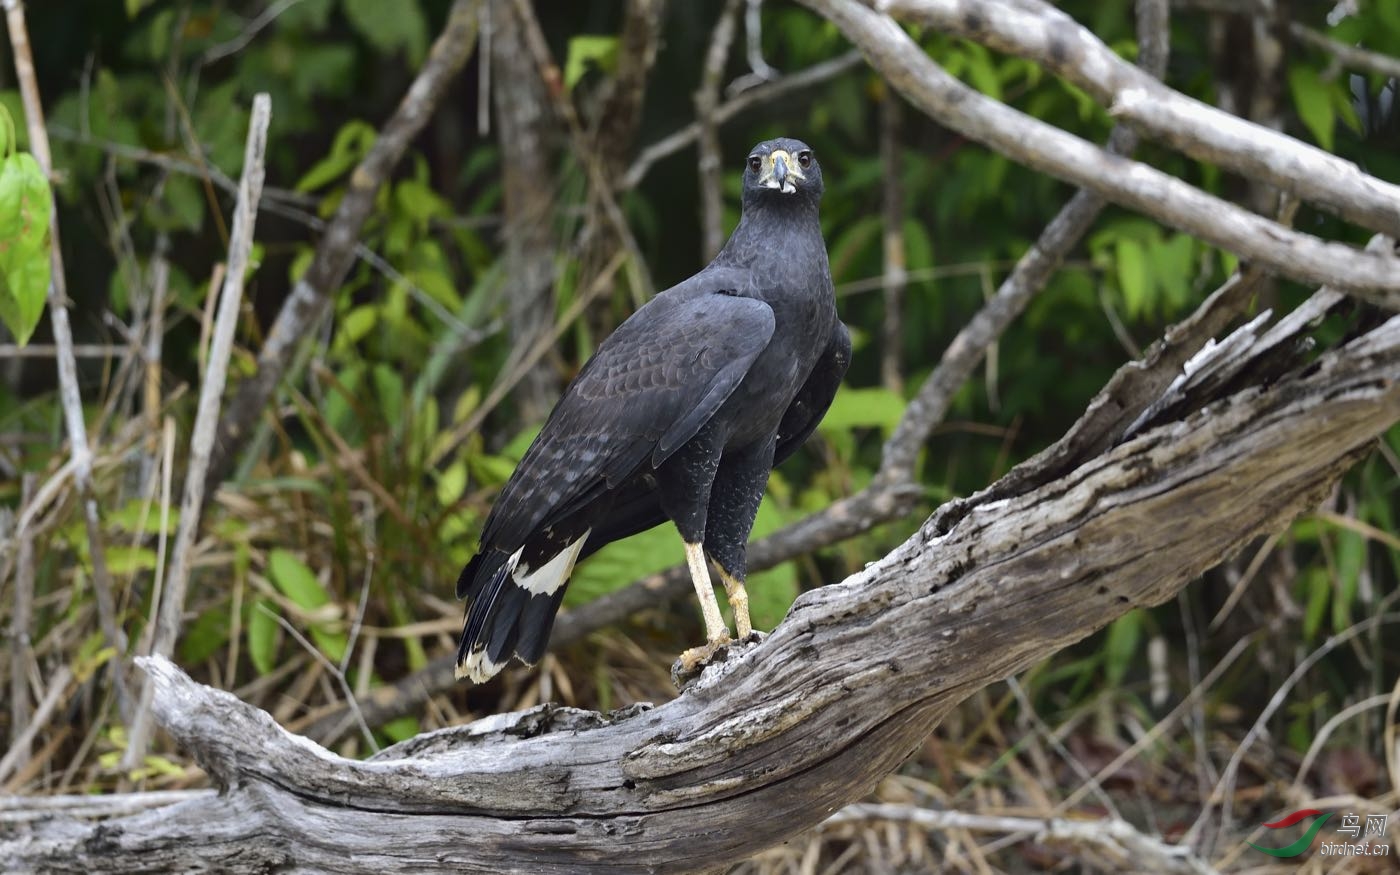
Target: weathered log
x=780 y=734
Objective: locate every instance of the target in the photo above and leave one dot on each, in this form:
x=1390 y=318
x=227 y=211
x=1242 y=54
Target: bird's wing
x=646 y=391
x=810 y=403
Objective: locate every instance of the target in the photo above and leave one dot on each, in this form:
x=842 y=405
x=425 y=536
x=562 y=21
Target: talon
x=696 y=657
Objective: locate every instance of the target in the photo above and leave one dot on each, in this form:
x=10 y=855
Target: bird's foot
x=692 y=663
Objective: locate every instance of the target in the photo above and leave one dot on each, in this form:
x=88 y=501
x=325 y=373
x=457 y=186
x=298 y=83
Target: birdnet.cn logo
x=1351 y=826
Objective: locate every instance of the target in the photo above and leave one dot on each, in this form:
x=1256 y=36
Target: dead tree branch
x=906 y=67
x=1033 y=29
x=773 y=738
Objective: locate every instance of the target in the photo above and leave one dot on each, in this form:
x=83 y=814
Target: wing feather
x=646 y=391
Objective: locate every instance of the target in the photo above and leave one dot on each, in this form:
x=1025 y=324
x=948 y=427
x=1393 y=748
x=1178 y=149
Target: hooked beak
x=781 y=172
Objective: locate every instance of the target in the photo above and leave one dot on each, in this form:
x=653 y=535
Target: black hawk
x=680 y=414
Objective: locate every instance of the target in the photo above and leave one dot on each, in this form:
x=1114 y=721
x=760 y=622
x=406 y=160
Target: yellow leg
x=739 y=601
x=715 y=630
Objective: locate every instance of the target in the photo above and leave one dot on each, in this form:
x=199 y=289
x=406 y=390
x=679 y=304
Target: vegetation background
x=327 y=558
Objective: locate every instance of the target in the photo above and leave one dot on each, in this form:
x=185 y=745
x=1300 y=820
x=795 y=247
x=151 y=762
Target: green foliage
x=25 y=208
x=586 y=51
x=390 y=27
x=299 y=584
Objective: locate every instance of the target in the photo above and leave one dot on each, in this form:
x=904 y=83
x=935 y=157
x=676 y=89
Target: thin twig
x=69 y=393
x=1224 y=794
x=895 y=276
x=21 y=616
x=760 y=94
x=172 y=604
x=1353 y=57
x=710 y=164
x=1115 y=838
x=48 y=351
x=57 y=694
x=334 y=670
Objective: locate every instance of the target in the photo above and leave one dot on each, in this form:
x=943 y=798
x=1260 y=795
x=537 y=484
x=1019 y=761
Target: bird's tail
x=511 y=605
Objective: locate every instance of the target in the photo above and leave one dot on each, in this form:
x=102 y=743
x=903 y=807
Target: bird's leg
x=716 y=632
x=738 y=602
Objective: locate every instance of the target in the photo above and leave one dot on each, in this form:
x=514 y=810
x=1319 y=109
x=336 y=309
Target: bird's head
x=782 y=169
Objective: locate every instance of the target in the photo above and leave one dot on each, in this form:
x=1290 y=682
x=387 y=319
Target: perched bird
x=680 y=414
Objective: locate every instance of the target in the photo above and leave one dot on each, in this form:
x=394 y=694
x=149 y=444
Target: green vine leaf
x=26 y=205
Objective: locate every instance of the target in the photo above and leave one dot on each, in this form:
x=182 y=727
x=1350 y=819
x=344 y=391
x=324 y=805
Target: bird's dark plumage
x=681 y=414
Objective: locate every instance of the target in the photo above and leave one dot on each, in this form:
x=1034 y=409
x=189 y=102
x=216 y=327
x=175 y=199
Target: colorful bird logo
x=1301 y=844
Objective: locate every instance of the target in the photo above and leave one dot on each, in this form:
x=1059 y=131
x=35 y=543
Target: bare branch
x=615 y=131
x=905 y=66
x=1036 y=30
x=21 y=616
x=1033 y=270
x=1350 y=56
x=711 y=165
x=58 y=693
x=172 y=605
x=895 y=274
x=759 y=94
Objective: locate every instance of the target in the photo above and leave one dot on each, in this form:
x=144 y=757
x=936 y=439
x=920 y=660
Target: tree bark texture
x=775 y=736
x=529 y=154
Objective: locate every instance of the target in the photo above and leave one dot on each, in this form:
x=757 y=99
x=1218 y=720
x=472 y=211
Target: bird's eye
x=755 y=163
x=804 y=159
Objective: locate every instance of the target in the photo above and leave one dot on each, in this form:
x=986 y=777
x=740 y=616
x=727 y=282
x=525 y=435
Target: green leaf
x=126 y=559
x=26 y=204
x=203 y=638
x=1121 y=646
x=1133 y=279
x=1313 y=100
x=352 y=143
x=388 y=389
x=1319 y=589
x=261 y=633
x=583 y=50
x=981 y=71
x=180 y=206
x=390 y=26
x=401 y=729
x=876 y=407
x=1351 y=556
x=622 y=562
x=296 y=581
x=452 y=483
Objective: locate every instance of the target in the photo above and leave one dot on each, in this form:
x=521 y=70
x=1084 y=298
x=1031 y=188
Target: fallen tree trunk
x=780 y=734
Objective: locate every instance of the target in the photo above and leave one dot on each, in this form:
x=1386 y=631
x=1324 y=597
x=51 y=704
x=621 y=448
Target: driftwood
x=778 y=735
